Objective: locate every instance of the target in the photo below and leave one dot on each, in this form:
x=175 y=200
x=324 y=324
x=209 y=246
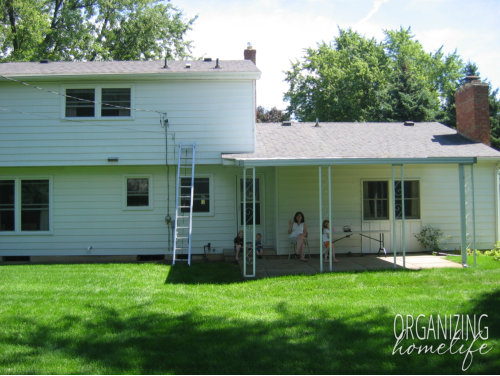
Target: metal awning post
x=403 y=234
x=463 y=222
x=321 y=219
x=253 y=217
x=330 y=217
x=245 y=221
x=394 y=215
x=473 y=212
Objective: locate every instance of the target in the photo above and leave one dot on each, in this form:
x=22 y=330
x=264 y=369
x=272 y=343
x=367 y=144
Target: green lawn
x=158 y=319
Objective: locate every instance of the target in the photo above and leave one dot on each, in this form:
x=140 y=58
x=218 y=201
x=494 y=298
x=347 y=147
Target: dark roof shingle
x=361 y=140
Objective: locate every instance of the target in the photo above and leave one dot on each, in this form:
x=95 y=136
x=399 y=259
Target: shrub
x=429 y=238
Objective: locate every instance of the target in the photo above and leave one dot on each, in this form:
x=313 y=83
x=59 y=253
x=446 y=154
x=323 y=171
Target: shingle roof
x=361 y=140
x=124 y=67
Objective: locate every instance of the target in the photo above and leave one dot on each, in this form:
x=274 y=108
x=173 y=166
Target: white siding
x=218 y=115
x=87 y=211
x=299 y=191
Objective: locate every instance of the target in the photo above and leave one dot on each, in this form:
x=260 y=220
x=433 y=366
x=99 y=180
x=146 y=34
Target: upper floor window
x=98 y=102
x=115 y=97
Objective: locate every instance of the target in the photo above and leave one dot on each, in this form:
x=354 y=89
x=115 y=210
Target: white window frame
x=211 y=195
x=98 y=98
x=391 y=199
x=17 y=205
x=124 y=192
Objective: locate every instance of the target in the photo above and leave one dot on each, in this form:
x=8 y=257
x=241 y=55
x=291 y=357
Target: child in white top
x=326 y=242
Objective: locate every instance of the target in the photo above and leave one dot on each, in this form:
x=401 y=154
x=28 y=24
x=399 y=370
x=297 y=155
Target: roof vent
x=44 y=61
x=286 y=123
x=207 y=59
x=317 y=122
x=217 y=66
x=188 y=65
x=409 y=122
x=166 y=63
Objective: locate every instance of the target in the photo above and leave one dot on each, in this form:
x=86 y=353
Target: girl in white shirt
x=298 y=231
x=326 y=242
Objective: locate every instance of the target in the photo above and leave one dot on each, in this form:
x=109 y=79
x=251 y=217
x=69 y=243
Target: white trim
x=17 y=205
x=97 y=98
x=124 y=192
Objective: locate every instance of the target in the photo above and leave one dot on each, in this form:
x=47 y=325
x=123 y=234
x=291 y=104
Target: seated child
x=259 y=248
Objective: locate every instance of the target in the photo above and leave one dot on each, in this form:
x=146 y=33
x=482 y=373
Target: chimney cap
x=472 y=78
x=249 y=46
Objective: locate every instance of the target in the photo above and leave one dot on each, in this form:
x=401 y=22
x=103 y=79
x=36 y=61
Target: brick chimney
x=251 y=54
x=473 y=111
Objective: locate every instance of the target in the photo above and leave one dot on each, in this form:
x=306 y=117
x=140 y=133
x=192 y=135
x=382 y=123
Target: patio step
x=229 y=254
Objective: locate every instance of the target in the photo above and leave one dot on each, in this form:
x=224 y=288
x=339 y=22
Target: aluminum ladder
x=184 y=196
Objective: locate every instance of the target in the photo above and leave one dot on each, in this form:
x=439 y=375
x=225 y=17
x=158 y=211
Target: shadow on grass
x=137 y=341
x=204 y=273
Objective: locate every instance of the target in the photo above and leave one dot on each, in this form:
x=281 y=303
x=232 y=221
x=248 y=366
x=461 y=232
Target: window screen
x=7 y=202
x=34 y=205
x=137 y=192
x=201 y=197
x=78 y=108
x=115 y=97
x=375 y=200
x=412 y=199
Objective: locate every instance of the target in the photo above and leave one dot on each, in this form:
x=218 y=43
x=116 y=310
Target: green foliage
x=65 y=30
x=339 y=81
x=430 y=237
x=271 y=116
x=355 y=78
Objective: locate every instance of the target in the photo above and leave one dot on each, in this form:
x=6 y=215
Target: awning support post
x=463 y=221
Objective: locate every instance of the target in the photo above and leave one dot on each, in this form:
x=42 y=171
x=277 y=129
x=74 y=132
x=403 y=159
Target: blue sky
x=281 y=30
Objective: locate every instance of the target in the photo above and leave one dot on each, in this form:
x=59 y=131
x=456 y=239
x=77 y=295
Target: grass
x=157 y=319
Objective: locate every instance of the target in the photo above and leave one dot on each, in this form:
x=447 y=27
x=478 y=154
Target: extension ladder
x=184 y=194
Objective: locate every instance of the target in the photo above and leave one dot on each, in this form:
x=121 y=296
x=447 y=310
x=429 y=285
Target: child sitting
x=259 y=248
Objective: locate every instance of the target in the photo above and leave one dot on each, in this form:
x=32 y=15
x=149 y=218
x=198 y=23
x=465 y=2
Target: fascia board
x=351 y=161
x=174 y=76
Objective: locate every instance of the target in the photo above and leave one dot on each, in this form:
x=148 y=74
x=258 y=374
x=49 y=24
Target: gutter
x=345 y=161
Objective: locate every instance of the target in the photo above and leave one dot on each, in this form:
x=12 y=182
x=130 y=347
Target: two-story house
x=89 y=164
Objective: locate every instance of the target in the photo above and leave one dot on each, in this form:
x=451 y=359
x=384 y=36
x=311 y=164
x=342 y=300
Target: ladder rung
x=183 y=207
x=185 y=196
x=183 y=216
x=181 y=227
x=184 y=186
x=182 y=237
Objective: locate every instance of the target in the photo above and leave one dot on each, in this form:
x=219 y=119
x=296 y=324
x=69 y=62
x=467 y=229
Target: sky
x=280 y=30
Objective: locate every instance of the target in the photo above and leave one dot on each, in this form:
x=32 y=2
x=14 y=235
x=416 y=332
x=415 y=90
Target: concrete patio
x=278 y=267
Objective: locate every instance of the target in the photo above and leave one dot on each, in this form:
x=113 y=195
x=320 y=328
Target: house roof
x=360 y=143
x=126 y=67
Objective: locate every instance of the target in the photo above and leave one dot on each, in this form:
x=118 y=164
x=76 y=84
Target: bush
x=429 y=238
x=495 y=252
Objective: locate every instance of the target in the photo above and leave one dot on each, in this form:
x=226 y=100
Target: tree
x=92 y=30
x=339 y=81
x=272 y=116
x=407 y=97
